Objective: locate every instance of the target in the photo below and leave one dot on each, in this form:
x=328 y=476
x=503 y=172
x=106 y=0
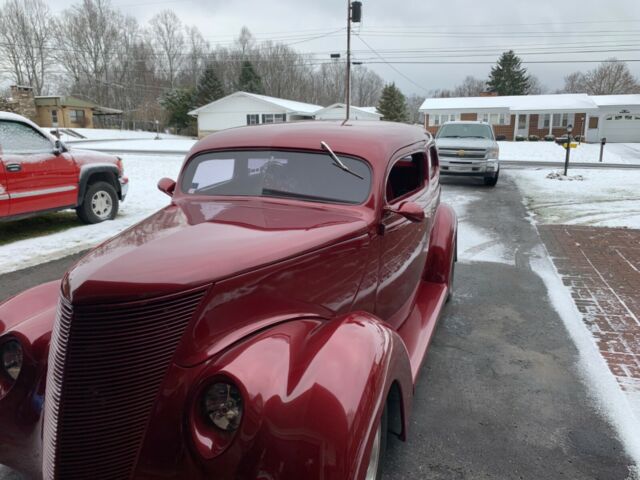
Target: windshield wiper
x=338 y=163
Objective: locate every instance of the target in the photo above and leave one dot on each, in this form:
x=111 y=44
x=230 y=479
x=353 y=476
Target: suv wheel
x=491 y=181
x=100 y=203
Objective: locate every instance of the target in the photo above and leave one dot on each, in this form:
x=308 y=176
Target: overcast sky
x=394 y=28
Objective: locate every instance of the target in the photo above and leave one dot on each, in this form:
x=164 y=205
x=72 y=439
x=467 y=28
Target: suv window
x=465 y=130
x=407 y=175
x=272 y=173
x=19 y=138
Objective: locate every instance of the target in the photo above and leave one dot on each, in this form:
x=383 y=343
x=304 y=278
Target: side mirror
x=166 y=185
x=409 y=210
x=58 y=147
x=500 y=138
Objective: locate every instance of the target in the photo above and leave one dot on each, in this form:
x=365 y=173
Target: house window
x=438 y=119
x=76 y=116
x=557 y=120
x=495 y=118
x=253 y=119
x=54 y=118
x=274 y=117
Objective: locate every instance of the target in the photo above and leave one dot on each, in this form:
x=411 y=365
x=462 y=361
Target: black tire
x=491 y=181
x=100 y=203
x=382 y=447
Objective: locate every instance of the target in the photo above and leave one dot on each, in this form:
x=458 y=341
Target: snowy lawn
x=165 y=144
x=94 y=134
x=584 y=153
x=605 y=198
x=143 y=198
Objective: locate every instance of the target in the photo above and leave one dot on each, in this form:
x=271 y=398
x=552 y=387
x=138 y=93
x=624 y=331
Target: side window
x=408 y=175
x=19 y=138
x=434 y=161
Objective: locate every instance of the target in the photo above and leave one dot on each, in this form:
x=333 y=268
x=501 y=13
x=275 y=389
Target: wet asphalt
x=499 y=395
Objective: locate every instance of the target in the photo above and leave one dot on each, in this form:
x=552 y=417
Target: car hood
x=479 y=143
x=199 y=242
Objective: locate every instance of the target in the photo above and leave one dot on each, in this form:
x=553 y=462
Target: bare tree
x=25 y=31
x=168 y=38
x=609 y=78
x=535 y=86
x=414 y=102
x=470 y=87
x=196 y=56
x=366 y=87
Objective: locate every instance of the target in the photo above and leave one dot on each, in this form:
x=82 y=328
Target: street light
x=566 y=160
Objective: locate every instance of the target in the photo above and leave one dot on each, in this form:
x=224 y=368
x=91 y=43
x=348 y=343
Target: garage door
x=622 y=127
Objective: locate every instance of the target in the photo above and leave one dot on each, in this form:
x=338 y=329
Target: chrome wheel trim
x=101 y=205
x=374 y=459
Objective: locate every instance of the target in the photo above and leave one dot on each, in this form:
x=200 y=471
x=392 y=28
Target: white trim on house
x=337 y=112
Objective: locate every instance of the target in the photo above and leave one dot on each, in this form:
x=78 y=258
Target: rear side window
x=273 y=173
x=19 y=138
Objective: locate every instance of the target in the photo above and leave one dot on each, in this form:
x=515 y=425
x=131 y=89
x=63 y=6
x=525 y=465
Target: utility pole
x=354 y=14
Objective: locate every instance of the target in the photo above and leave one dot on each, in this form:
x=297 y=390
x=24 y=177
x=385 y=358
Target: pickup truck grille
x=106 y=365
x=457 y=153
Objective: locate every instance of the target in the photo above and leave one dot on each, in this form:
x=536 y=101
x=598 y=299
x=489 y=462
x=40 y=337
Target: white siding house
x=618 y=119
x=242 y=108
x=337 y=112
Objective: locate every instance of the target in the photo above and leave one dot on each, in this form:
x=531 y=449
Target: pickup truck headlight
x=222 y=405
x=12 y=358
x=493 y=153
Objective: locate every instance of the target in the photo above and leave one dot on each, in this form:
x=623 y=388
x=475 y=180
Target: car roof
x=14 y=117
x=374 y=141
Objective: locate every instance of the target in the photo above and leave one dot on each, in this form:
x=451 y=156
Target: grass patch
x=45 y=224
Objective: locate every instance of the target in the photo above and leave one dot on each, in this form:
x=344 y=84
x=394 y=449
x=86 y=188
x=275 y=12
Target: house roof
x=580 y=102
x=291 y=106
x=63 y=101
x=616 y=100
x=366 y=110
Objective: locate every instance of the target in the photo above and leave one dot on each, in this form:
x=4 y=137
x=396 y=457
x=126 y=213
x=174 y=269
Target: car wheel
x=374 y=470
x=100 y=203
x=491 y=181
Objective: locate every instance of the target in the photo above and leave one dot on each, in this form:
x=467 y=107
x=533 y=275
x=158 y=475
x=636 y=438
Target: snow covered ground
x=143 y=199
x=606 y=198
x=584 y=153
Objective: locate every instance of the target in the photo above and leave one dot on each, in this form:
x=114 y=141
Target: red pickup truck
x=38 y=173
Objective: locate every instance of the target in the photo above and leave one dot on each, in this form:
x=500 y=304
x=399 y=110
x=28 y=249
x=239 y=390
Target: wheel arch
x=90 y=174
x=442 y=245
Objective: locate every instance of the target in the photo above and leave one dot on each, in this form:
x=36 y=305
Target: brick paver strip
x=601 y=268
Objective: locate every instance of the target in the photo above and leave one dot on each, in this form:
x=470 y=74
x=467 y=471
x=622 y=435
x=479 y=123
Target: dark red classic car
x=268 y=324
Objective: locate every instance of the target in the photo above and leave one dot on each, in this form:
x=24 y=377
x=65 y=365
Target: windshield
x=300 y=175
x=465 y=130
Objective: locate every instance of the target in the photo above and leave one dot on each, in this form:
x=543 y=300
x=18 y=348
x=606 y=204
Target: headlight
x=12 y=358
x=222 y=405
x=493 y=153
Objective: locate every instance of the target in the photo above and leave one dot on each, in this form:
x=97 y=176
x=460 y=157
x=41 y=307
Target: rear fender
x=442 y=244
x=314 y=392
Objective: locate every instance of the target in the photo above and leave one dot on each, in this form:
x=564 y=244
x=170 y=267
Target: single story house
x=243 y=108
x=616 y=117
x=337 y=112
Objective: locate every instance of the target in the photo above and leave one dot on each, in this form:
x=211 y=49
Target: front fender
x=314 y=392
x=27 y=317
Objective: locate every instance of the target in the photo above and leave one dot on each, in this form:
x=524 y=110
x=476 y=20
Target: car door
x=4 y=193
x=404 y=243
x=37 y=178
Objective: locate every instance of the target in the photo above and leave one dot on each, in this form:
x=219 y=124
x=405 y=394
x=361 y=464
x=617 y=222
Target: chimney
x=24 y=102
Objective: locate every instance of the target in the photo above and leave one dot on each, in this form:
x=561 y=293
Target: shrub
x=534 y=138
x=549 y=138
x=520 y=138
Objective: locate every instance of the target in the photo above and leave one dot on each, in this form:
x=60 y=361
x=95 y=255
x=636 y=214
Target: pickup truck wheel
x=491 y=181
x=100 y=203
x=374 y=470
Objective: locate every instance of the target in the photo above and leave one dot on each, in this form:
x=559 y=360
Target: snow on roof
x=615 y=100
x=367 y=110
x=517 y=103
x=291 y=106
x=370 y=110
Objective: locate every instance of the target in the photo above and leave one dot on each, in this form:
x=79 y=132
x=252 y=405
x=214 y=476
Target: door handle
x=14 y=167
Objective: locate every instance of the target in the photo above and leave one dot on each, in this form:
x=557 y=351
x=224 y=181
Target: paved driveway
x=499 y=396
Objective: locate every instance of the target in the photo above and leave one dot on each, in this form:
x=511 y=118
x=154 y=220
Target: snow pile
x=584 y=153
x=606 y=198
x=143 y=199
x=561 y=176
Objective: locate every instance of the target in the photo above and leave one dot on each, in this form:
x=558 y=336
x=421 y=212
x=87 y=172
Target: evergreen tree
x=178 y=103
x=249 y=80
x=393 y=104
x=210 y=87
x=509 y=77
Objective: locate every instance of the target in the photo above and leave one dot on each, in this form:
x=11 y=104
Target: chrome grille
x=106 y=365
